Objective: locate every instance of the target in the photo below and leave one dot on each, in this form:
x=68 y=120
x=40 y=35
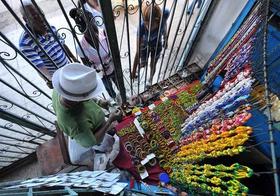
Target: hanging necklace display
x=226 y=143
x=218 y=179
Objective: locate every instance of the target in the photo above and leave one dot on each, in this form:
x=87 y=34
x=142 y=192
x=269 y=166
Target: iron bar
x=139 y=45
x=12 y=151
x=91 y=36
x=122 y=34
x=128 y=45
x=26 y=96
x=148 y=45
x=21 y=150
x=164 y=50
x=28 y=31
x=95 y=44
x=10 y=44
x=17 y=145
x=268 y=101
x=26 y=123
x=20 y=140
x=35 y=114
x=175 y=37
x=13 y=130
x=183 y=36
x=51 y=30
x=9 y=157
x=4 y=161
x=106 y=6
x=160 y=26
x=189 y=36
x=239 y=38
x=22 y=76
x=71 y=27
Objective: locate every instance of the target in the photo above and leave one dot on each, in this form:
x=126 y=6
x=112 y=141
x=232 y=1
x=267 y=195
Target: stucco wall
x=224 y=15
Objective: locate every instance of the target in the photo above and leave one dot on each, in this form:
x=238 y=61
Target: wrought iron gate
x=26 y=115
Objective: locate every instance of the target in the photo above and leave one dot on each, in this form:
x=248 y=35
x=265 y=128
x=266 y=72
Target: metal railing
x=26 y=114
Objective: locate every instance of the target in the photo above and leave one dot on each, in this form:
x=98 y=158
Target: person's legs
x=152 y=69
x=198 y=3
x=118 y=97
x=137 y=61
x=144 y=55
x=113 y=77
x=135 y=65
x=108 y=86
x=190 y=8
x=154 y=60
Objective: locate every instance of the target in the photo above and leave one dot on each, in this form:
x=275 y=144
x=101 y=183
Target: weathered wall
x=222 y=18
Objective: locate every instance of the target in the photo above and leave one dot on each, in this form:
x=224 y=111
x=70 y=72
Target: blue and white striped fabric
x=31 y=50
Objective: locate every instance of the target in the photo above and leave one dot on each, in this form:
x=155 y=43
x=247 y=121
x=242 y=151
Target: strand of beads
x=225 y=98
x=218 y=126
x=222 y=123
x=219 y=179
x=227 y=143
x=249 y=26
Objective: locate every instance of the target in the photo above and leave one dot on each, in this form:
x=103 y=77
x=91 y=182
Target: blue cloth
x=150 y=189
x=108 y=84
x=217 y=83
x=31 y=50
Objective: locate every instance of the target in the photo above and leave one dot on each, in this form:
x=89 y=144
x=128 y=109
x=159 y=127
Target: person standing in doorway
x=155 y=13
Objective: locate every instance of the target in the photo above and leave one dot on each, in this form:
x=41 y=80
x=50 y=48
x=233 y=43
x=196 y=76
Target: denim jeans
x=108 y=84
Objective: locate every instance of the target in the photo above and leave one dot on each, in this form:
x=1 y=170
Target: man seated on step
x=78 y=112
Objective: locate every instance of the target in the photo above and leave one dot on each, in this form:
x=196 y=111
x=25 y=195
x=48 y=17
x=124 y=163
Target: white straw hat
x=76 y=82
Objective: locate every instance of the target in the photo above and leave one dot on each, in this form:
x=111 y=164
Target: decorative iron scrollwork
x=50 y=107
x=116 y=10
x=6 y=55
x=6 y=105
x=131 y=9
x=125 y=55
x=157 y=2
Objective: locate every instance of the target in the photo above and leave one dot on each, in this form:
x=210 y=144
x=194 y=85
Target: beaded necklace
x=219 y=179
x=226 y=143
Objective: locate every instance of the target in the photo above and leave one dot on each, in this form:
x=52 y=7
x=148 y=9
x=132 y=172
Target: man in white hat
x=78 y=115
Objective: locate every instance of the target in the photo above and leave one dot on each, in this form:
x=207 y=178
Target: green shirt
x=80 y=123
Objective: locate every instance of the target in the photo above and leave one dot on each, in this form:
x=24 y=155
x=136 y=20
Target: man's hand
x=116 y=115
x=104 y=104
